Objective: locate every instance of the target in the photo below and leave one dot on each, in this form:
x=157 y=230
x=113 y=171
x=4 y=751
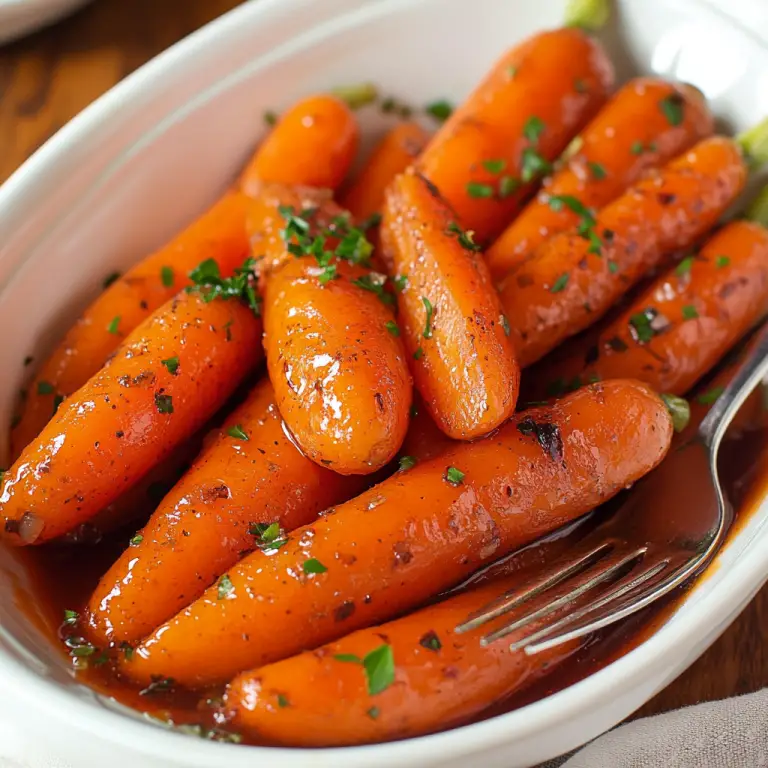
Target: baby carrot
x=414 y=535
x=337 y=363
x=394 y=153
x=647 y=123
x=424 y=439
x=169 y=376
x=682 y=324
x=411 y=676
x=246 y=489
x=575 y=277
x=128 y=301
x=453 y=325
x=487 y=156
x=313 y=144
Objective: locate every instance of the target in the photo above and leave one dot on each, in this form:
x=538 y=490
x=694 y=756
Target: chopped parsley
x=679 y=410
x=441 y=110
x=494 y=166
x=533 y=129
x=684 y=267
x=431 y=641
x=209 y=283
x=159 y=684
x=379 y=666
x=172 y=364
x=109 y=279
x=427 y=333
x=533 y=165
x=268 y=535
x=558 y=202
x=45 y=388
x=114 y=326
x=710 y=396
x=79 y=647
x=613 y=267
x=237 y=432
x=71 y=618
x=478 y=190
x=407 y=462
x=722 y=261
x=392 y=327
x=400 y=282
x=598 y=171
x=127 y=650
x=313 y=565
x=373 y=713
x=465 y=238
x=136 y=540
x=375 y=283
x=641 y=325
x=282 y=701
x=689 y=312
x=560 y=283
x=454 y=476
x=504 y=323
x=673 y=108
x=225 y=587
x=418 y=354
x=508 y=186
x=164 y=403
x=270 y=117
x=166 y=276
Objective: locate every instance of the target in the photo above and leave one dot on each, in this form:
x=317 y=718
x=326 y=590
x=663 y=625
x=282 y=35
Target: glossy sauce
x=52 y=579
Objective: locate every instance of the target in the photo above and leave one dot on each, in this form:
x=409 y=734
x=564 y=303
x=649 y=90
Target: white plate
x=121 y=177
x=20 y=17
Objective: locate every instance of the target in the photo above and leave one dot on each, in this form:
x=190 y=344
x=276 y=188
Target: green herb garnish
x=392 y=327
x=494 y=166
x=441 y=110
x=136 y=540
x=454 y=476
x=164 y=403
x=209 y=283
x=465 y=238
x=167 y=276
x=418 y=354
x=225 y=587
x=379 y=667
x=375 y=283
x=172 y=364
x=689 y=312
x=598 y=171
x=407 y=462
x=313 y=565
x=673 y=107
x=477 y=190
x=427 y=333
x=114 y=326
x=710 y=396
x=560 y=283
x=722 y=261
x=684 y=267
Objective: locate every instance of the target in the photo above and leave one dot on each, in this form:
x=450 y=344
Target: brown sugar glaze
x=52 y=579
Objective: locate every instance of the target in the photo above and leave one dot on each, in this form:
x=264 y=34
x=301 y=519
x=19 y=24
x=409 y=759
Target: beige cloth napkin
x=722 y=734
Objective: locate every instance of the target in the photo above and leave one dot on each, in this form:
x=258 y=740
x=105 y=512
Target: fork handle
x=749 y=374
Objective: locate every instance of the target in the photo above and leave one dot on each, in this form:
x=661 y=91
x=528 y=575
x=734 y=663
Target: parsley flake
x=684 y=267
x=379 y=666
x=237 y=432
x=282 y=701
x=427 y=333
x=167 y=277
x=313 y=565
x=375 y=283
x=598 y=171
x=225 y=587
x=164 y=403
x=465 y=239
x=71 y=618
x=270 y=117
x=477 y=190
x=400 y=282
x=494 y=166
x=136 y=540
x=392 y=327
x=673 y=108
x=504 y=323
x=689 y=312
x=560 y=283
x=208 y=282
x=508 y=186
x=431 y=641
x=268 y=535
x=722 y=261
x=454 y=476
x=418 y=354
x=172 y=364
x=407 y=462
x=533 y=129
x=710 y=396
x=441 y=110
x=159 y=684
x=114 y=326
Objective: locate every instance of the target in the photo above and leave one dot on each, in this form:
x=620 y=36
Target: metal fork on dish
x=671 y=526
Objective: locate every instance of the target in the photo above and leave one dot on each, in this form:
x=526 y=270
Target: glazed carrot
x=647 y=123
x=414 y=535
x=683 y=323
x=313 y=144
x=128 y=301
x=249 y=476
x=576 y=276
x=337 y=364
x=462 y=359
x=394 y=153
x=488 y=154
x=424 y=439
x=265 y=223
x=419 y=676
x=169 y=376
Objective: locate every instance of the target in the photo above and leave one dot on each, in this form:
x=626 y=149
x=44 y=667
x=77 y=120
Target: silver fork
x=671 y=526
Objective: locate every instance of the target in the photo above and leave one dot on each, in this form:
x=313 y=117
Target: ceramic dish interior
x=150 y=155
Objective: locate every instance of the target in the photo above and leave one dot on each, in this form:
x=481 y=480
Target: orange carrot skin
x=561 y=77
x=265 y=223
x=204 y=525
x=340 y=375
x=394 y=153
x=313 y=144
x=629 y=136
x=565 y=287
x=463 y=362
x=698 y=311
x=441 y=680
x=414 y=535
x=424 y=439
x=108 y=435
x=219 y=234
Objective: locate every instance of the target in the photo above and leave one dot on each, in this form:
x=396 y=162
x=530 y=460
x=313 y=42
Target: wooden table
x=48 y=78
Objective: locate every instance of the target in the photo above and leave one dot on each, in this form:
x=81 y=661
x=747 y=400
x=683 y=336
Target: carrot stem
x=588 y=14
x=754 y=143
x=356 y=95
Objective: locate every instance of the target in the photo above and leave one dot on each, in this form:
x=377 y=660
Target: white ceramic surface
x=154 y=151
x=20 y=17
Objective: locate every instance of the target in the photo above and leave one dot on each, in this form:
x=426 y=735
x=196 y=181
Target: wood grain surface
x=49 y=77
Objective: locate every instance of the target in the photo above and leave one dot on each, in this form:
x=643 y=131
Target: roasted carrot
x=266 y=224
x=337 y=364
x=128 y=301
x=454 y=329
x=487 y=156
x=327 y=146
x=576 y=276
x=411 y=676
x=414 y=535
x=169 y=376
x=394 y=153
x=424 y=439
x=646 y=124
x=247 y=488
x=313 y=144
x=682 y=324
